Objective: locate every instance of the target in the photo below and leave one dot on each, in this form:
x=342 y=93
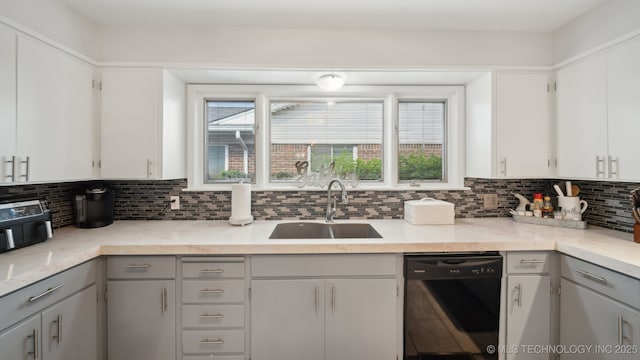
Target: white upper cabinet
x=522 y=118
x=55 y=114
x=598 y=103
x=582 y=119
x=7 y=103
x=143 y=124
x=508 y=125
x=623 y=77
x=46 y=112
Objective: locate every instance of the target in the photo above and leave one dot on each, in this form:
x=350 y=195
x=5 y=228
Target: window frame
x=205 y=135
x=390 y=95
x=445 y=141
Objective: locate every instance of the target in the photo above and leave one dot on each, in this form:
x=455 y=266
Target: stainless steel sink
x=314 y=230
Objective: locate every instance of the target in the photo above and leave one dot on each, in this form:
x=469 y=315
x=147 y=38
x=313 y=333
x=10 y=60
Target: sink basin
x=314 y=230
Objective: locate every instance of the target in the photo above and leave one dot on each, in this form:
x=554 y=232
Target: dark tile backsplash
x=609 y=203
x=148 y=200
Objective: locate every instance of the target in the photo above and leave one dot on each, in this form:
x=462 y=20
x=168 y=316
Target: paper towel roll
x=240 y=204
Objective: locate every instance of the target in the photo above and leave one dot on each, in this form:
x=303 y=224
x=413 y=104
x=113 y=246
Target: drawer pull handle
x=588 y=275
x=214 y=271
x=58 y=337
x=534 y=261
x=212 y=291
x=137 y=266
x=44 y=293
x=518 y=291
x=214 y=342
x=212 y=316
x=620 y=323
x=35 y=351
x=419 y=271
x=13 y=168
x=163 y=296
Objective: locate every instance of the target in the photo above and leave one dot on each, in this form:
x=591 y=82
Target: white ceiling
x=445 y=15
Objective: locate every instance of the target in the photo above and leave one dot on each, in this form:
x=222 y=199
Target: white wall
x=600 y=25
x=320 y=48
x=53 y=20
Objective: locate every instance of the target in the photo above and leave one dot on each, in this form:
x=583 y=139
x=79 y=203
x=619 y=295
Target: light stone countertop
x=72 y=246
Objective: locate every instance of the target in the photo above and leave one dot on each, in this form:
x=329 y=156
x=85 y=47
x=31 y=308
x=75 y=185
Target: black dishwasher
x=452 y=306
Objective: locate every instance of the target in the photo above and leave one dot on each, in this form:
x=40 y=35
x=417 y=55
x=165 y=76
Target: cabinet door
x=55 y=114
x=287 y=319
x=7 y=102
x=361 y=319
x=22 y=341
x=623 y=77
x=528 y=313
x=522 y=111
x=130 y=113
x=588 y=318
x=69 y=329
x=582 y=118
x=141 y=320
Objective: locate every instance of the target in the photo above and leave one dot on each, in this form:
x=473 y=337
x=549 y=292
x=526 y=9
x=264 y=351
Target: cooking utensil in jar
x=575 y=190
x=636 y=214
x=569 y=190
x=635 y=204
x=558 y=190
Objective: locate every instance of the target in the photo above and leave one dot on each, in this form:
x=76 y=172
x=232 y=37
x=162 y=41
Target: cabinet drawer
x=27 y=301
x=615 y=285
x=323 y=265
x=212 y=270
x=530 y=262
x=141 y=267
x=212 y=291
x=212 y=341
x=212 y=316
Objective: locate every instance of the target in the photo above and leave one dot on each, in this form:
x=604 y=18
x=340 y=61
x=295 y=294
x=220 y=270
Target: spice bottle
x=537 y=205
x=547 y=208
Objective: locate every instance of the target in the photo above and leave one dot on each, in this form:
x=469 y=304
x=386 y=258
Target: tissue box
x=429 y=211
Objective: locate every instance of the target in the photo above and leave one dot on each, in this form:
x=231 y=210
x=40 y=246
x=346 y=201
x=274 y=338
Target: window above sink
x=373 y=137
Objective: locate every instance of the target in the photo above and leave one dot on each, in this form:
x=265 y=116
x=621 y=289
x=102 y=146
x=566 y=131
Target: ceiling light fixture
x=330 y=82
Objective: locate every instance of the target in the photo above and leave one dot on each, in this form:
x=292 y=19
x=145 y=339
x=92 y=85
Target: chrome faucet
x=331 y=200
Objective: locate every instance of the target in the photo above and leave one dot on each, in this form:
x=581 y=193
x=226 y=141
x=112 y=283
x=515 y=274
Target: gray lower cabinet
x=62 y=321
x=70 y=328
x=591 y=319
x=287 y=319
x=318 y=307
x=599 y=315
x=528 y=315
x=141 y=308
x=528 y=305
x=213 y=315
x=22 y=342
